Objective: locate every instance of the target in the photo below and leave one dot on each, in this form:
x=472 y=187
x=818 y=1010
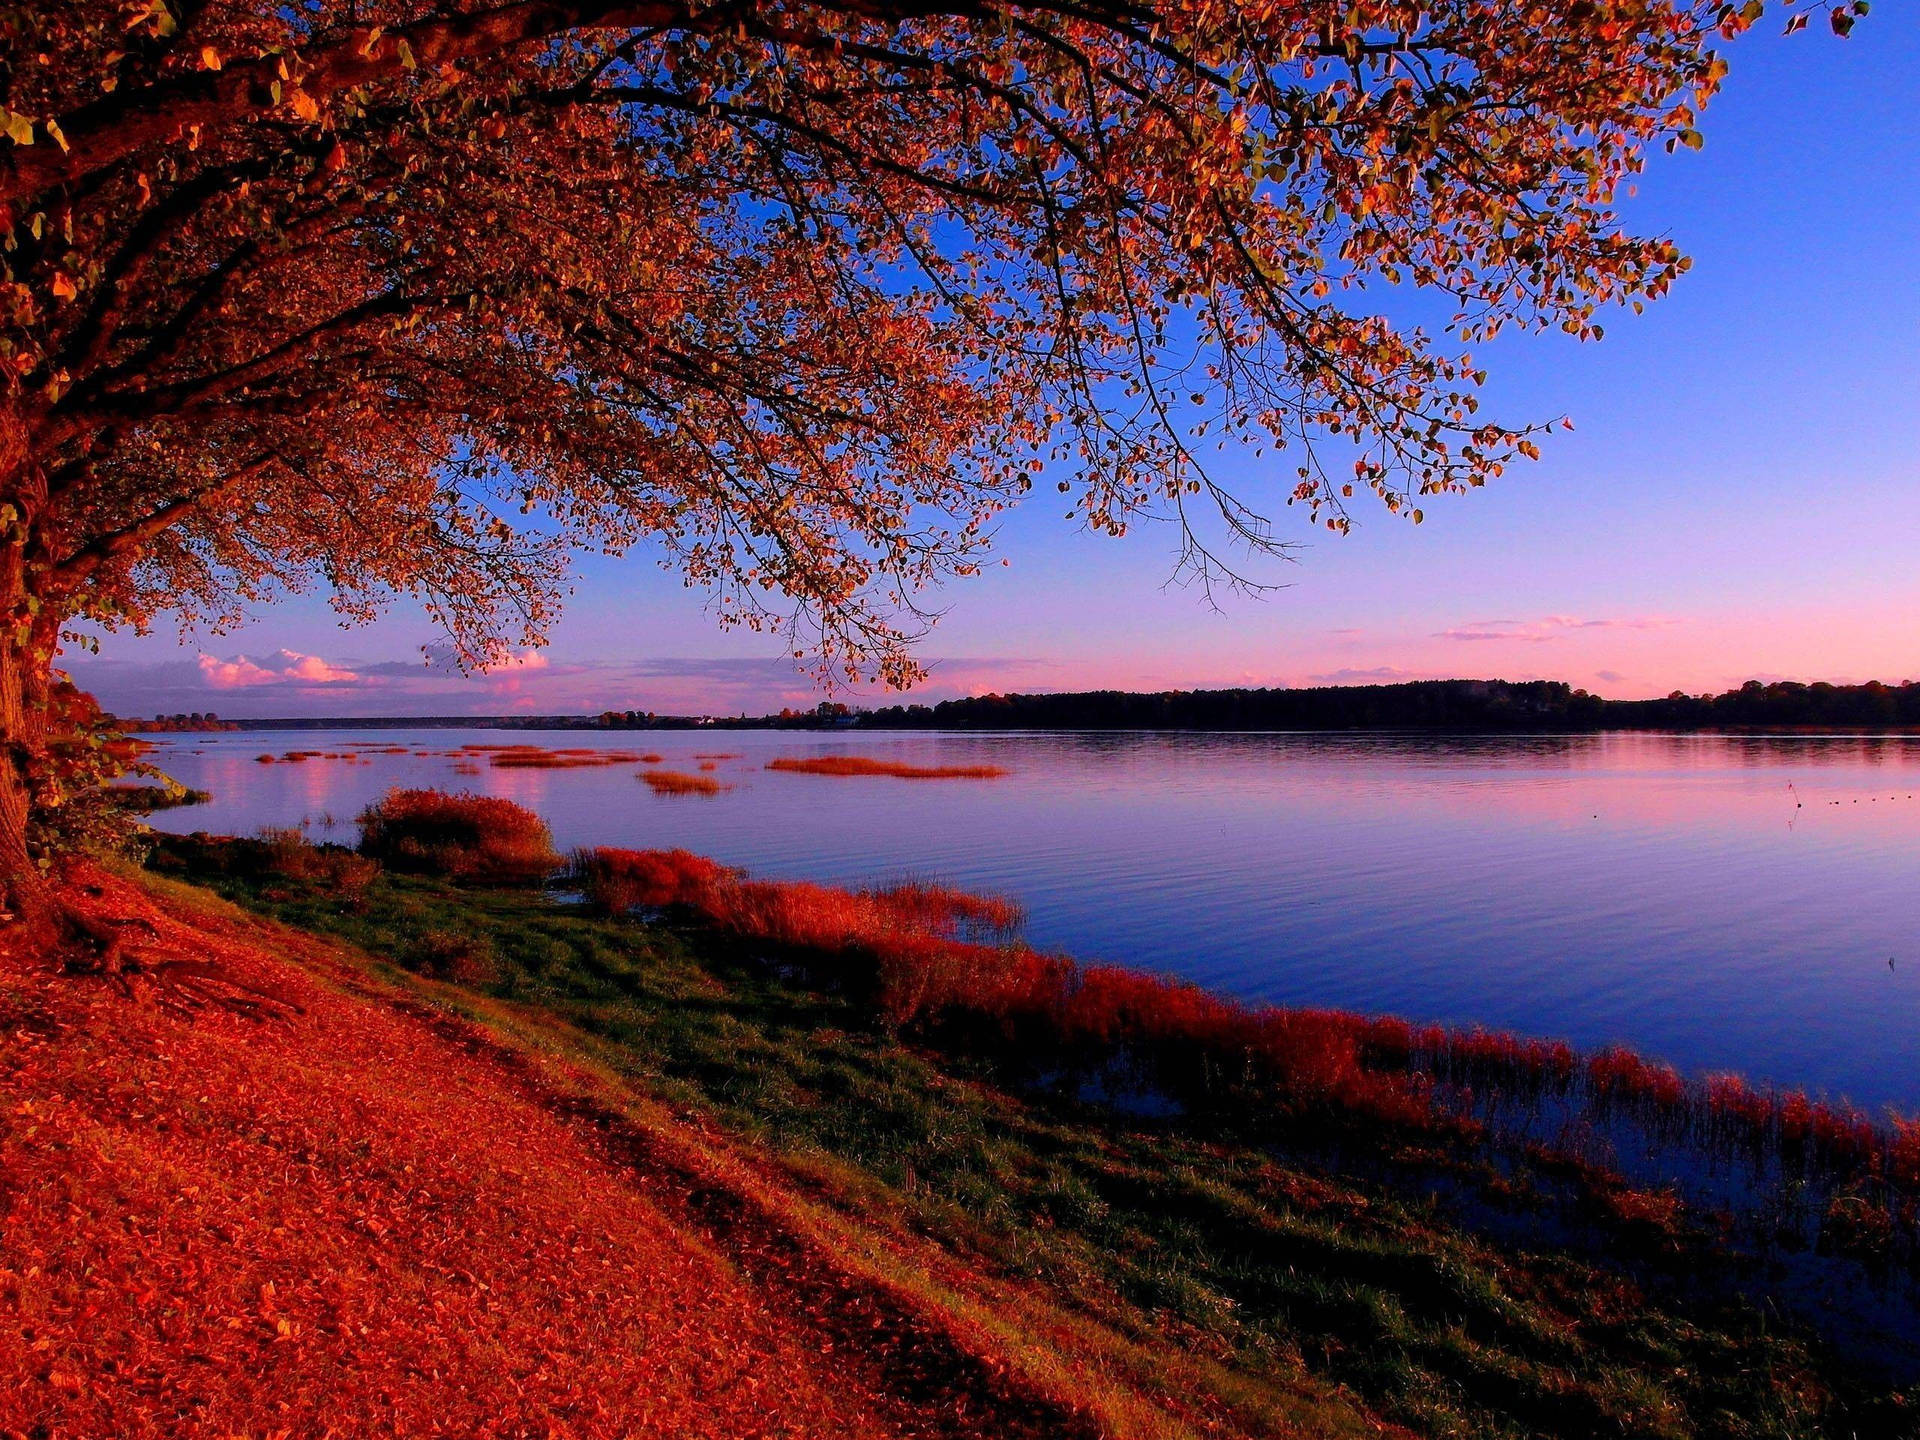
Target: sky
x=1737 y=499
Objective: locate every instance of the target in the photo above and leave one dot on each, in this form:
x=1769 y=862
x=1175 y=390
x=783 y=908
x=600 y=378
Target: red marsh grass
x=675 y=782
x=791 y=913
x=651 y=759
x=465 y=837
x=865 y=765
x=718 y=755
x=535 y=759
x=940 y=964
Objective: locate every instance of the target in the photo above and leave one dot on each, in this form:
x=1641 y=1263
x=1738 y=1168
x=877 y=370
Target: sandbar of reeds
x=866 y=765
x=675 y=782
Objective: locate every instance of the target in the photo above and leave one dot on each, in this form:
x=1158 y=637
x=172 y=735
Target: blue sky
x=1737 y=499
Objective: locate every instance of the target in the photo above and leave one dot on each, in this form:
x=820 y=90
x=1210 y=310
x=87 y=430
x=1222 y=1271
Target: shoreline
x=563 y=724
x=1604 y=1156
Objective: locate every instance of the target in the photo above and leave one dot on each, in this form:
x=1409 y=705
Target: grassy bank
x=1290 y=1248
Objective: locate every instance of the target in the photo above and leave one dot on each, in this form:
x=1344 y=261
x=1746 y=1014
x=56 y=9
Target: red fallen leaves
x=351 y=1226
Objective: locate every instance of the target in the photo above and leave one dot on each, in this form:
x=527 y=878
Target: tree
x=413 y=295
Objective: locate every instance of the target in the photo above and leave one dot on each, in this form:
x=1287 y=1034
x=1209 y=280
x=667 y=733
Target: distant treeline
x=1421 y=704
x=164 y=724
x=1536 y=705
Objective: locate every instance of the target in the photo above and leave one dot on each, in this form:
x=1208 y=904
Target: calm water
x=1725 y=903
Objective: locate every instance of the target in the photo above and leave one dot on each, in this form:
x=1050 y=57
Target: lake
x=1722 y=902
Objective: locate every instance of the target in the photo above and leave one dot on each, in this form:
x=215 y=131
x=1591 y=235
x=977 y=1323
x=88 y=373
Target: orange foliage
x=863 y=765
x=912 y=380
x=814 y=296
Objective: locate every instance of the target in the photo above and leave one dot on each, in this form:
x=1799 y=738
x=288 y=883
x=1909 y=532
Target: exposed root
x=106 y=949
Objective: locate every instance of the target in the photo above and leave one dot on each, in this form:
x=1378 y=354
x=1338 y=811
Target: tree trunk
x=22 y=743
x=26 y=672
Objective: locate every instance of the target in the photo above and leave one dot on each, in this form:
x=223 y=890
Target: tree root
x=105 y=949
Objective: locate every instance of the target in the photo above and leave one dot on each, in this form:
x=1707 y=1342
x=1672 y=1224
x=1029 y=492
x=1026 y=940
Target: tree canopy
x=414 y=295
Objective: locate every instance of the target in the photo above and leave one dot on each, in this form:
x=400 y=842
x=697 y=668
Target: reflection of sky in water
x=1662 y=891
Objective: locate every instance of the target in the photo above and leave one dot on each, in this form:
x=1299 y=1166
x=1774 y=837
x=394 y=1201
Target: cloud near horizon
x=1549 y=627
x=1370 y=675
x=288 y=683
x=282 y=668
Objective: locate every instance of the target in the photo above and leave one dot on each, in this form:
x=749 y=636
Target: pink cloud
x=289 y=682
x=1549 y=627
x=1371 y=675
x=504 y=676
x=283 y=667
x=517 y=661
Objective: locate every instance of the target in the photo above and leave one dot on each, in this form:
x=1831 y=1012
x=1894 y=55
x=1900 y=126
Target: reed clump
x=145 y=799
x=618 y=881
x=476 y=838
x=283 y=853
x=792 y=913
x=559 y=759
x=866 y=765
x=676 y=782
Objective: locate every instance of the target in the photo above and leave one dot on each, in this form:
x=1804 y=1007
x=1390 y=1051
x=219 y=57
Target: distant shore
x=1533 y=707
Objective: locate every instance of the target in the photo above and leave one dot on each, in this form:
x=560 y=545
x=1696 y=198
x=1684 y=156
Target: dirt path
x=372 y=1221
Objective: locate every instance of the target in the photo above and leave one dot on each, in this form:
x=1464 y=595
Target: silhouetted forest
x=1420 y=704
x=1527 y=705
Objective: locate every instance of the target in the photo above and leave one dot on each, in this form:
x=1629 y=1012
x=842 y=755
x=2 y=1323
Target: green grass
x=1230 y=1245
